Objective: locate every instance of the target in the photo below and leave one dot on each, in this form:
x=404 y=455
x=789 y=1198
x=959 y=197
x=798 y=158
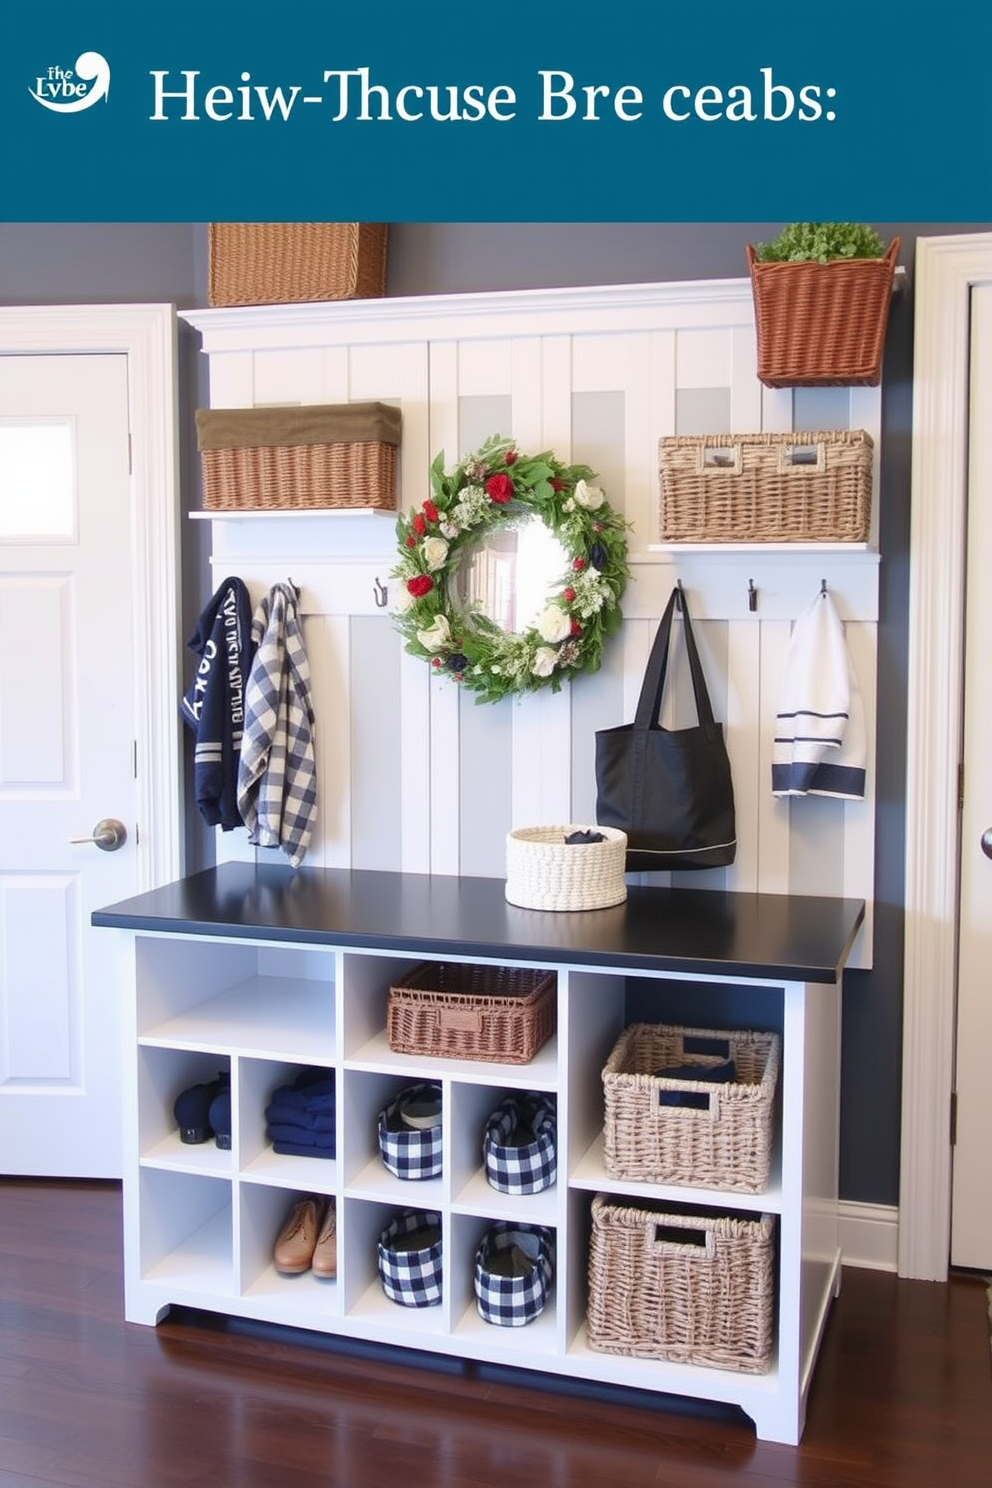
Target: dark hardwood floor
x=902 y=1397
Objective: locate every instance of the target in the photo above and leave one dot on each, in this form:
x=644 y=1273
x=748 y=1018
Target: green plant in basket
x=821 y=242
x=454 y=551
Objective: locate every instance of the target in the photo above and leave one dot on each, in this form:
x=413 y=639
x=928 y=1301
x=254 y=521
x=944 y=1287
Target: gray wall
x=126 y=262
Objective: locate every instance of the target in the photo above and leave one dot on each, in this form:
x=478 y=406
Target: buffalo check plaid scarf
x=277 y=780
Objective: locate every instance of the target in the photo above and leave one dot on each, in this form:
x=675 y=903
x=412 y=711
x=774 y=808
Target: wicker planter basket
x=693 y=1288
x=808 y=486
x=545 y=872
x=455 y=1011
x=822 y=325
x=313 y=456
x=724 y=1141
x=281 y=263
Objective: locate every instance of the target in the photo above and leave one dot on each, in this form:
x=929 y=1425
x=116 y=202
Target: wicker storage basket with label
x=313 y=456
x=495 y=1013
x=671 y=1129
x=807 y=486
x=282 y=263
x=694 y=1288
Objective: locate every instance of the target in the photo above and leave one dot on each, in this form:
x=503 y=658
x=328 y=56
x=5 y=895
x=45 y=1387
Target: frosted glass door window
x=37 y=480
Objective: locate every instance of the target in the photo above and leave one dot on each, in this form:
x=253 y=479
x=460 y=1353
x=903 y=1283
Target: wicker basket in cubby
x=690 y=1287
x=456 y=1011
x=807 y=486
x=724 y=1141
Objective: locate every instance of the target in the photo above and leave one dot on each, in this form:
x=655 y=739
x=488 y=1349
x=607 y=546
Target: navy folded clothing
x=291 y=1149
x=283 y=1115
x=721 y=1073
x=311 y=1090
x=300 y=1138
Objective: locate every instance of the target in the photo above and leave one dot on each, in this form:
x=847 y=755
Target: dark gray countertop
x=782 y=936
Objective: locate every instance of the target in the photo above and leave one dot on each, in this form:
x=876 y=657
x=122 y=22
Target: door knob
x=109 y=834
x=987 y=842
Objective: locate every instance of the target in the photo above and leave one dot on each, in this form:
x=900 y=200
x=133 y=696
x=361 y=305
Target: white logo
x=68 y=90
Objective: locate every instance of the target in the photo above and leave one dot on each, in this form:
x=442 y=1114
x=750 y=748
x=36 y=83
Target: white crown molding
x=515 y=312
x=946 y=270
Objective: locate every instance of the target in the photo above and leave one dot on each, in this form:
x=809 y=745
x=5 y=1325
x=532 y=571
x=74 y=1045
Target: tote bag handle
x=653 y=686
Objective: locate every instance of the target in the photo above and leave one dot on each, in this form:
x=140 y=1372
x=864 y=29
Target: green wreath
x=497 y=485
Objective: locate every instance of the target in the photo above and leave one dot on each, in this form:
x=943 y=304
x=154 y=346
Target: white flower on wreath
x=553 y=624
x=404 y=599
x=544 y=661
x=437 y=635
x=588 y=496
x=435 y=552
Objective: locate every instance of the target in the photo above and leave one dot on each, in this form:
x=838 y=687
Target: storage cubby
x=305 y=1298
x=201 y=1223
x=256 y=1083
x=163 y=1074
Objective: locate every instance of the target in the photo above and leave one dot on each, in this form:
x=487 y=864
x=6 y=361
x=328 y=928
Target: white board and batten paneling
x=413 y=774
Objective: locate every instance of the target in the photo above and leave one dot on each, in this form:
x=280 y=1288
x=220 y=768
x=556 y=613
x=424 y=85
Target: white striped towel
x=277 y=778
x=819 y=747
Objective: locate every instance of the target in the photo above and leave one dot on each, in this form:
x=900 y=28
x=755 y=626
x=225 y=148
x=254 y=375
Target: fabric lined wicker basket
x=498 y=1013
x=694 y=1288
x=281 y=263
x=807 y=486
x=544 y=871
x=822 y=324
x=673 y=1129
x=311 y=456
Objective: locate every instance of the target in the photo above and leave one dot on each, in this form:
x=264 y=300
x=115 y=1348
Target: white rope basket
x=545 y=872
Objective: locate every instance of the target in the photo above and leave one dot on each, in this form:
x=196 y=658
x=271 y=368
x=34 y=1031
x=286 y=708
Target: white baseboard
x=869 y=1235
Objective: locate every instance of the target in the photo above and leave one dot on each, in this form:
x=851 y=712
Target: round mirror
x=507 y=572
x=511 y=571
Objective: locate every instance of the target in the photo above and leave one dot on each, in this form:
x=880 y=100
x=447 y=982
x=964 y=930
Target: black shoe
x=192 y=1109
x=219 y=1117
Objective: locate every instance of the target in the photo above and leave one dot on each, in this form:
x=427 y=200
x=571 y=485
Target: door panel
x=67 y=679
x=971 y=1210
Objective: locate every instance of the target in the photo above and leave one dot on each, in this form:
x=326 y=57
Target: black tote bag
x=670 y=790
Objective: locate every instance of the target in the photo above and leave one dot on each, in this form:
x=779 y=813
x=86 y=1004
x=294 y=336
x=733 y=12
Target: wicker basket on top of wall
x=822 y=324
x=282 y=263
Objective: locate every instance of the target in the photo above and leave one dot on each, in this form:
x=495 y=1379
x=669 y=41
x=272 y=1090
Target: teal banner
x=549 y=110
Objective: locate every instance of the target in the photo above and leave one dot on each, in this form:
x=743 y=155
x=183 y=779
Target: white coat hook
x=380 y=594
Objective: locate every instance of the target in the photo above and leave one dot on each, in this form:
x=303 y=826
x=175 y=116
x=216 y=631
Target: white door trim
x=946 y=270
x=146 y=335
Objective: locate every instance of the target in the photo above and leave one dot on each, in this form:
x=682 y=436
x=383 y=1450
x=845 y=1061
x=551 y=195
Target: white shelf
x=283 y=514
x=541 y=1073
x=280 y=1017
x=286 y=1170
x=590 y=1173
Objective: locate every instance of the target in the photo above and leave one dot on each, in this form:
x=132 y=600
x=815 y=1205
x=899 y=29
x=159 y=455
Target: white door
x=971 y=1207
x=67 y=755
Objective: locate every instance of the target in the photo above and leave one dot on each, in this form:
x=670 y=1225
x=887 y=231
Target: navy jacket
x=214 y=704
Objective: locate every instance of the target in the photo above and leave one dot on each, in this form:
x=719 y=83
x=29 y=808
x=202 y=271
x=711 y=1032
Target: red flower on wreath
x=418 y=524
x=411 y=541
x=568 y=594
x=499 y=488
x=510 y=457
x=420 y=585
x=579 y=563
x=558 y=485
x=430 y=510
x=576 y=628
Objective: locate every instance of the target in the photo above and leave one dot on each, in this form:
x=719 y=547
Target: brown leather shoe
x=294 y=1248
x=325 y=1255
